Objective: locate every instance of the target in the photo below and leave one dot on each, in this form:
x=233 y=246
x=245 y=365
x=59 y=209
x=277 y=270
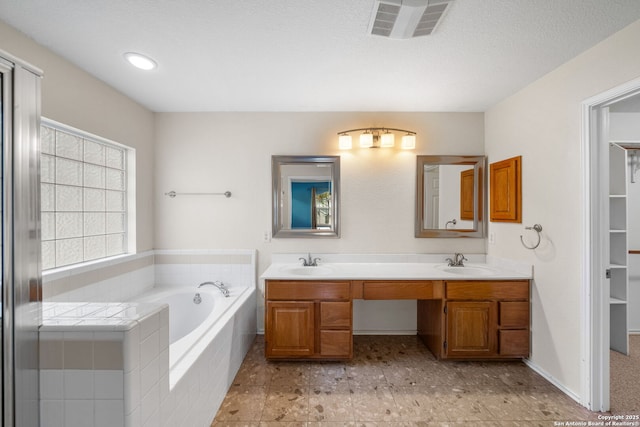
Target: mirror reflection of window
x=323 y=209
x=310 y=204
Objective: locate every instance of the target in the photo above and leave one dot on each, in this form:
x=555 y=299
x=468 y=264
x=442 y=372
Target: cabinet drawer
x=335 y=343
x=514 y=342
x=514 y=314
x=381 y=290
x=488 y=290
x=335 y=314
x=307 y=290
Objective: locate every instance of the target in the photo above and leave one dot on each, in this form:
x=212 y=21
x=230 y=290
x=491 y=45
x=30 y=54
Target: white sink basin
x=469 y=270
x=307 y=271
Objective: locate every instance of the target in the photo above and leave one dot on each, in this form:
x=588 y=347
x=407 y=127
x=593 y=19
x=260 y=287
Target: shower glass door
x=6 y=336
x=20 y=280
x=2 y=338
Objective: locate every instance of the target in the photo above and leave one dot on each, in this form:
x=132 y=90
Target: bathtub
x=192 y=325
x=207 y=343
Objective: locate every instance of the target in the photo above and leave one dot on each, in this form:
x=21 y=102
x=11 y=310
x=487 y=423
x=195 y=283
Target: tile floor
x=392 y=380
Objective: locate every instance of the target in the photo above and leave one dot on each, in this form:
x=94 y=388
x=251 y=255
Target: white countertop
x=393 y=271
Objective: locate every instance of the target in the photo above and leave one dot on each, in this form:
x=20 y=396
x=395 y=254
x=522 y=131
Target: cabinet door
x=466 y=195
x=506 y=190
x=290 y=329
x=471 y=329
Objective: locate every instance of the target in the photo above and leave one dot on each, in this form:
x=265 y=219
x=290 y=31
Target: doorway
x=624 y=214
x=604 y=310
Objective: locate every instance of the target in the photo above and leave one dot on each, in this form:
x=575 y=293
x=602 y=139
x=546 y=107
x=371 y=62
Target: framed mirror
x=306 y=198
x=450 y=196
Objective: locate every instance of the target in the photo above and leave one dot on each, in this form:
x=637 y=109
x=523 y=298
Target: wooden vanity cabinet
x=308 y=320
x=486 y=319
x=458 y=319
x=470 y=331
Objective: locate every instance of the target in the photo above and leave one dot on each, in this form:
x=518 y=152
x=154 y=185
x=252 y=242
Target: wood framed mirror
x=450 y=196
x=305 y=198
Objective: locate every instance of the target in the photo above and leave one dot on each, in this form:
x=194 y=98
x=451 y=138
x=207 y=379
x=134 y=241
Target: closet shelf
x=624 y=141
x=617 y=266
x=616 y=301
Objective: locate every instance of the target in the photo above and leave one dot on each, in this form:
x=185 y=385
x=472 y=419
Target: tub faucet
x=309 y=262
x=457 y=261
x=218 y=284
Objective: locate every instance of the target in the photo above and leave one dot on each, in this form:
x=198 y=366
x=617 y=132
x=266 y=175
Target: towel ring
x=537 y=228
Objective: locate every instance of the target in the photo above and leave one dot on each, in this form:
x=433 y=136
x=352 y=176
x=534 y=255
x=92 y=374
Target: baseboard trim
x=553 y=381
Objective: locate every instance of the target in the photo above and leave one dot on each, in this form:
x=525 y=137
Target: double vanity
x=475 y=311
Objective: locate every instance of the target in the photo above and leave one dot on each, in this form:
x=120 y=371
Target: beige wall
x=215 y=152
x=543 y=124
x=75 y=98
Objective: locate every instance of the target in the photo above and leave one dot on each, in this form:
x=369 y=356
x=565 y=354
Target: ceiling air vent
x=403 y=19
x=385 y=19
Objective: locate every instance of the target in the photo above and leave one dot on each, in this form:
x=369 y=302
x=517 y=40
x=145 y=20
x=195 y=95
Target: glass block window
x=83 y=197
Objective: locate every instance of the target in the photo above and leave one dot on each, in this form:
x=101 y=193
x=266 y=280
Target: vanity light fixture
x=344 y=141
x=377 y=137
x=387 y=139
x=366 y=139
x=409 y=141
x=140 y=61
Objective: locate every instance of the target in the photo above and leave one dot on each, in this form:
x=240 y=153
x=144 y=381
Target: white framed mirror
x=450 y=196
x=305 y=197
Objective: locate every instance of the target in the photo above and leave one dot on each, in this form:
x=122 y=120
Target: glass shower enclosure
x=20 y=276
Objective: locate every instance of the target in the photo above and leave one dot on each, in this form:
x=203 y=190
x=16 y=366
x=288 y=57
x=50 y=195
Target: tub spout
x=218 y=284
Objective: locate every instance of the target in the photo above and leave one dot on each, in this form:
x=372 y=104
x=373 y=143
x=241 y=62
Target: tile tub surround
x=115 y=279
x=108 y=363
x=101 y=364
x=192 y=267
x=123 y=277
x=393 y=379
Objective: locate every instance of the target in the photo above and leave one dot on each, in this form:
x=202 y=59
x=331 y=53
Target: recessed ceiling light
x=140 y=61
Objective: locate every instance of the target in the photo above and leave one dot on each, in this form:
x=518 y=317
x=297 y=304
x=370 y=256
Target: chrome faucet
x=309 y=262
x=218 y=284
x=457 y=261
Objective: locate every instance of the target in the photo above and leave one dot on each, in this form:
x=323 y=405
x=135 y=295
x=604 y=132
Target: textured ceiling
x=315 y=55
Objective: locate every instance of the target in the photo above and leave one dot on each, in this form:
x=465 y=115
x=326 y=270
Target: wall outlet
x=267 y=237
x=492 y=238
